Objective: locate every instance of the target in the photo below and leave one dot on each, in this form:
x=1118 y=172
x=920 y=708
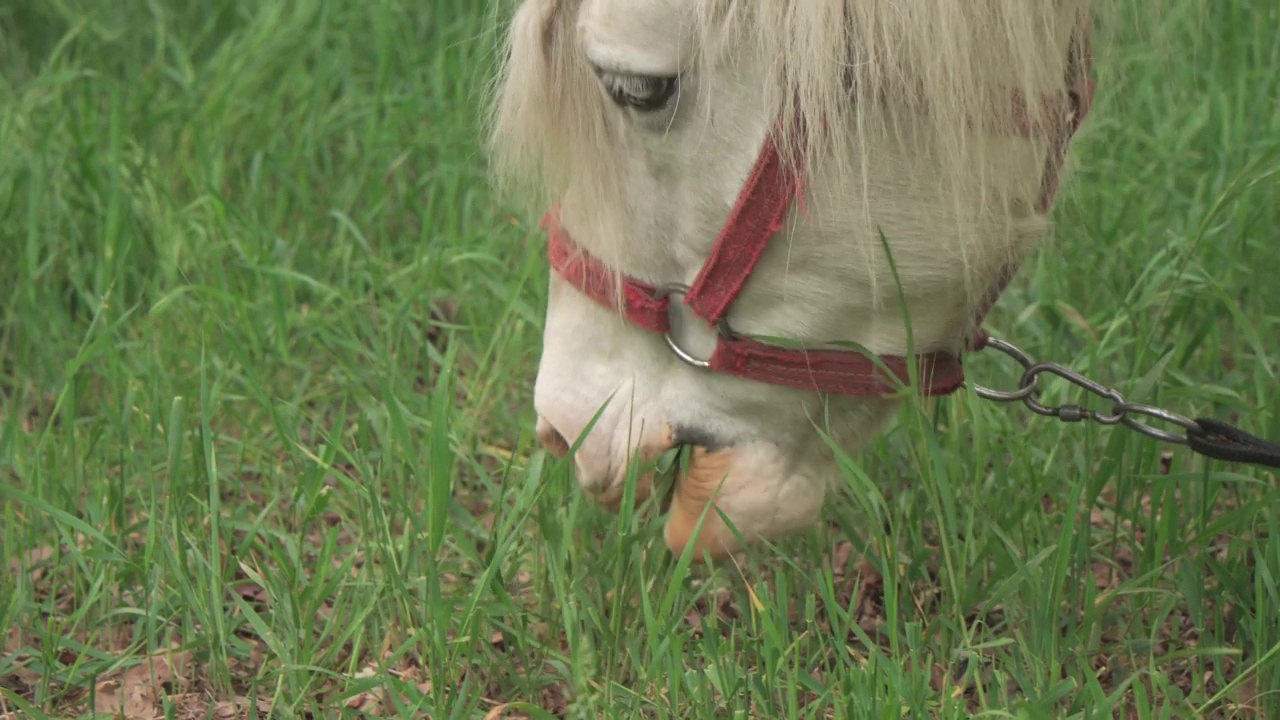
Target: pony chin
x=757 y=490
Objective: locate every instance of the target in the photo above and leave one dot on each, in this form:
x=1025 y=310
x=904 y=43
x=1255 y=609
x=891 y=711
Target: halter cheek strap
x=757 y=217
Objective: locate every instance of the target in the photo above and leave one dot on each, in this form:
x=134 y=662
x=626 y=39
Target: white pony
x=743 y=193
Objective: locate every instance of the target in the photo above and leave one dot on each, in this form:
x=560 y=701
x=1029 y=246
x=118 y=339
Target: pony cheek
x=752 y=487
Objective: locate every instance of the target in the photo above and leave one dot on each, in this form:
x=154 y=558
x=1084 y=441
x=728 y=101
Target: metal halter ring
x=722 y=326
x=1024 y=391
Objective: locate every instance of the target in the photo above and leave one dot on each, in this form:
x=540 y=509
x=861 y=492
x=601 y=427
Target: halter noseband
x=756 y=217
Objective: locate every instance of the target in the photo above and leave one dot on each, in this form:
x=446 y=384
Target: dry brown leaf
x=251 y=592
x=410 y=675
x=1245 y=700
x=366 y=702
x=694 y=619
x=553 y=699
x=132 y=702
x=20 y=679
x=12 y=640
x=497 y=714
x=198 y=705
x=839 y=558
x=29 y=560
x=369 y=701
x=136 y=695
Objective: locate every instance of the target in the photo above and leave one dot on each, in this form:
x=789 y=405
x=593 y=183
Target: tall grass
x=266 y=348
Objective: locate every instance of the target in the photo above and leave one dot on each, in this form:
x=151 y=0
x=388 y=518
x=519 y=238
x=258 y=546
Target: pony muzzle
x=721 y=498
x=603 y=479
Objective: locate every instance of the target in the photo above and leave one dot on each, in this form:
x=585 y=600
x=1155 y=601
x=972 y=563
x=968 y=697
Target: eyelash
x=643 y=93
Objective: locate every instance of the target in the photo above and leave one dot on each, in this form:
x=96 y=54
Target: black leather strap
x=1226 y=442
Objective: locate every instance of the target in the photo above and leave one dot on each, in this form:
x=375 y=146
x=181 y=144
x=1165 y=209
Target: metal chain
x=1122 y=411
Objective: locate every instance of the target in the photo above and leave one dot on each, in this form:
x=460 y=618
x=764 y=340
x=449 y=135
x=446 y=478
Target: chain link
x=1122 y=411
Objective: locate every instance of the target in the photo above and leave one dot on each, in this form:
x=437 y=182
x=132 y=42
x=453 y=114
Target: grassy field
x=267 y=345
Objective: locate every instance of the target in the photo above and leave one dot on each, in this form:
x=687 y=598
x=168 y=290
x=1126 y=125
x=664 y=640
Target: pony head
x=741 y=193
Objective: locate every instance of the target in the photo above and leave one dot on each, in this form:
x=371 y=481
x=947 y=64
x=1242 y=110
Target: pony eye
x=644 y=93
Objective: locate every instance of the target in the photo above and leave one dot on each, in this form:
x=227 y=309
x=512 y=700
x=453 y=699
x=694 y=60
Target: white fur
x=933 y=167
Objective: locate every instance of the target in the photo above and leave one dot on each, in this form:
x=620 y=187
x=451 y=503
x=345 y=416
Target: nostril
x=551 y=439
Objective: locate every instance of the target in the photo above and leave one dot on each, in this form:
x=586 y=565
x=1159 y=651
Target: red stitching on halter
x=756 y=217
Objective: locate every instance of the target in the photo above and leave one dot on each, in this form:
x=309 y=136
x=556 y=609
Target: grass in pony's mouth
x=244 y=467
x=667 y=472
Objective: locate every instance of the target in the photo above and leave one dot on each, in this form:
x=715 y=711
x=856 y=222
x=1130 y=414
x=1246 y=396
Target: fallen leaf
x=238 y=708
x=136 y=695
x=839 y=558
x=34 y=561
x=553 y=700
x=12 y=640
x=498 y=711
x=369 y=701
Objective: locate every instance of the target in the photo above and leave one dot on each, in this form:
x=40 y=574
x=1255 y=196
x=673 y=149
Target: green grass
x=267 y=342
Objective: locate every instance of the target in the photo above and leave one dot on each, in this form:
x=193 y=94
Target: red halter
x=756 y=217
